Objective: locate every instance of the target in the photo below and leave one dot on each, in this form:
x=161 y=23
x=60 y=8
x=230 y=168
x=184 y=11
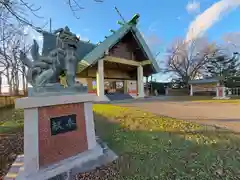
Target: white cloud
x=151 y=39
x=232 y=41
x=86 y=29
x=209 y=17
x=193 y=6
x=152 y=27
x=83 y=38
x=232 y=38
x=179 y=18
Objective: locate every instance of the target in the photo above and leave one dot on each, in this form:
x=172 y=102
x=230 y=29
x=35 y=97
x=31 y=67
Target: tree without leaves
x=186 y=59
x=75 y=6
x=12 y=41
x=14 y=13
x=19 y=11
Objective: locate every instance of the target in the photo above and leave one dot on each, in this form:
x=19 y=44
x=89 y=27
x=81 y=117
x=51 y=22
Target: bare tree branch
x=75 y=6
x=12 y=42
x=186 y=59
x=20 y=10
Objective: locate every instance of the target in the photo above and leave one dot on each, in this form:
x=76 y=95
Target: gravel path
x=220 y=114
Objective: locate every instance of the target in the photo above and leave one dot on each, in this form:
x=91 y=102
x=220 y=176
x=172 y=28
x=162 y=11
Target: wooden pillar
x=100 y=79
x=140 y=81
x=191 y=90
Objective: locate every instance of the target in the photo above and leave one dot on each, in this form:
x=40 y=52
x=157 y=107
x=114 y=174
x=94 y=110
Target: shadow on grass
x=147 y=154
x=10 y=106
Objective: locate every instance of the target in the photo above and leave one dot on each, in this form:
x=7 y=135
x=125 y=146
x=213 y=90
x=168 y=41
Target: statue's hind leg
x=44 y=77
x=70 y=77
x=71 y=63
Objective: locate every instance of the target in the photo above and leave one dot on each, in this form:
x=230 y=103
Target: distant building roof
x=49 y=43
x=204 y=81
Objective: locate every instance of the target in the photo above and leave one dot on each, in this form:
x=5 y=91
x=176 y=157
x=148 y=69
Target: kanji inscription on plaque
x=63 y=124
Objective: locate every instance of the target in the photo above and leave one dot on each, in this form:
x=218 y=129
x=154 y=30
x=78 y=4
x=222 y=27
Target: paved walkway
x=220 y=114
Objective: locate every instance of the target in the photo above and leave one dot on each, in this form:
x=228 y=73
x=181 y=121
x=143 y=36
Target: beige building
x=114 y=69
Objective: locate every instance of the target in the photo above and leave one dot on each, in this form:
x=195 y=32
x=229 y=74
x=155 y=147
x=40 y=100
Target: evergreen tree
x=223 y=66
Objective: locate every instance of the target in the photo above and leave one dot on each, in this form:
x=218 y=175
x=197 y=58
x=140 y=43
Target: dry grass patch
x=154 y=147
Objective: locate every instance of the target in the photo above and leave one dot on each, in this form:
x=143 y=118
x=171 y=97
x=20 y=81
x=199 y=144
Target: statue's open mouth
x=72 y=46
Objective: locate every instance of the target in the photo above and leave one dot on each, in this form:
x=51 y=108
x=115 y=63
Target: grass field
x=154 y=147
x=10 y=120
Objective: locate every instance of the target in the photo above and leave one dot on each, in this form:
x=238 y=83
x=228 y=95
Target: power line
x=120 y=14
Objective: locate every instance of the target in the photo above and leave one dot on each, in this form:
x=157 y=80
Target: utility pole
x=119 y=14
x=50 y=24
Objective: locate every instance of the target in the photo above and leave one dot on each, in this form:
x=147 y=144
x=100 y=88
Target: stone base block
x=63 y=168
x=56 y=89
x=68 y=168
x=101 y=99
x=222 y=97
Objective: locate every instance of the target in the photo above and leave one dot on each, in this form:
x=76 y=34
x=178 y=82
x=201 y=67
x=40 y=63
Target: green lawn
x=11 y=137
x=153 y=147
x=11 y=120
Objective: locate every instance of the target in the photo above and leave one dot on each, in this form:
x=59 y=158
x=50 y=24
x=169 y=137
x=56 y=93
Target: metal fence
x=6 y=101
x=233 y=91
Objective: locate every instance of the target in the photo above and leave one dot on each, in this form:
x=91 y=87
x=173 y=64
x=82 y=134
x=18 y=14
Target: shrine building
x=114 y=69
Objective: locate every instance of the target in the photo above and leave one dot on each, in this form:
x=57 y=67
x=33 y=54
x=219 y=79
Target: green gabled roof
x=145 y=48
x=99 y=51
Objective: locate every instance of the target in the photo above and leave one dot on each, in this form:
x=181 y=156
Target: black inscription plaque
x=63 y=124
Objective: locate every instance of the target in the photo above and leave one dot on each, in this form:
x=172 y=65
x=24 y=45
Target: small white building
x=204 y=86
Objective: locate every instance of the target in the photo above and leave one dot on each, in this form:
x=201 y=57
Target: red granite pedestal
x=46 y=154
x=53 y=149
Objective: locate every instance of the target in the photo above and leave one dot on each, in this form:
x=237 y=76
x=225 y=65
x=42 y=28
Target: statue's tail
x=32 y=74
x=29 y=76
x=35 y=51
x=26 y=61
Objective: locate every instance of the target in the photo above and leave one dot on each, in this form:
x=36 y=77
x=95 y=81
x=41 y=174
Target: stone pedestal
x=221 y=93
x=59 y=136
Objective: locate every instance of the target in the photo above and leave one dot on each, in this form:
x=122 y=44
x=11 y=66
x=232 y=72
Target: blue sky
x=160 y=21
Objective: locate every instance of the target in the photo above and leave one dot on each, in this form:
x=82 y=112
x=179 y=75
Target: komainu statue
x=60 y=59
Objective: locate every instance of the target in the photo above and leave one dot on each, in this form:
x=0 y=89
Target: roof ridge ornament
x=120 y=23
x=134 y=19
